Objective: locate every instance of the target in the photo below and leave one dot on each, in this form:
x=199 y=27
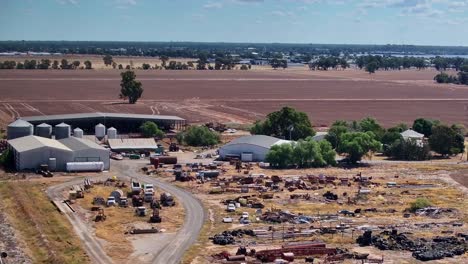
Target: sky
x=417 y=22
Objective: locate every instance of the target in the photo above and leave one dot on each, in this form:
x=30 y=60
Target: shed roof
x=75 y=143
x=258 y=140
x=410 y=133
x=132 y=143
x=49 y=118
x=34 y=142
x=20 y=123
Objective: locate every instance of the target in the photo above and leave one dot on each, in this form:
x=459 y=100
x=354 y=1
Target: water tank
x=44 y=130
x=111 y=133
x=19 y=128
x=78 y=132
x=62 y=131
x=100 y=130
x=52 y=164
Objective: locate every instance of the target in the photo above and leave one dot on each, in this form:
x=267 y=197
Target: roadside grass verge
x=48 y=235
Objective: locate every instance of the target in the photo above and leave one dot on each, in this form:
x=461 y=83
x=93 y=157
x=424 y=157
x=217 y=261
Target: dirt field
x=238 y=96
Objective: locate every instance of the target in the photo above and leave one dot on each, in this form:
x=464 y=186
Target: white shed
x=411 y=134
x=32 y=151
x=250 y=148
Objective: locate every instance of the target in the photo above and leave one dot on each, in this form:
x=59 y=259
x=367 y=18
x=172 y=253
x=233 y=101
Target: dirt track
x=238 y=96
x=170 y=250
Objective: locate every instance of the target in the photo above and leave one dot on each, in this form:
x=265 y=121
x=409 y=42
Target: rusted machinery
x=298 y=249
x=155 y=218
x=100 y=216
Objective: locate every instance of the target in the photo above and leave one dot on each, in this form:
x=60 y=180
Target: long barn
x=124 y=123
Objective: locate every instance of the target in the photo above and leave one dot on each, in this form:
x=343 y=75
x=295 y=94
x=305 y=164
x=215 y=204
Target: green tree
x=150 y=129
x=286 y=123
x=334 y=134
x=55 y=65
x=163 y=59
x=419 y=203
x=88 y=65
x=390 y=137
x=399 y=128
x=120 y=67
x=358 y=144
x=44 y=65
x=30 y=65
x=328 y=153
x=409 y=149
x=424 y=126
x=280 y=156
x=244 y=67
x=146 y=66
x=372 y=67
x=445 y=78
x=446 y=141
x=107 y=60
x=370 y=124
x=130 y=88
x=199 y=136
x=19 y=66
x=64 y=64
x=76 y=64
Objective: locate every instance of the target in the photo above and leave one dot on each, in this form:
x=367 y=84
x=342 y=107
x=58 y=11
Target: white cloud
x=124 y=4
x=212 y=5
x=64 y=2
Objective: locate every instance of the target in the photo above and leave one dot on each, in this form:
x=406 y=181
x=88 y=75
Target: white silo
x=100 y=130
x=44 y=130
x=78 y=132
x=111 y=133
x=62 y=131
x=19 y=128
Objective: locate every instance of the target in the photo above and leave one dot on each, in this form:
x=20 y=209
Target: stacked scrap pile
x=438 y=248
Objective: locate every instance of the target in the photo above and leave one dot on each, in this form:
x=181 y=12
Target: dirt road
x=175 y=247
x=171 y=249
x=92 y=245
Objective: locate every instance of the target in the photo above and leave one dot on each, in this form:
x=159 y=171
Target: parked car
x=149 y=188
x=231 y=207
x=148 y=197
x=111 y=201
x=244 y=221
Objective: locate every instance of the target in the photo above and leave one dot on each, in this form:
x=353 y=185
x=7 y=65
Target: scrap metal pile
x=228 y=237
x=424 y=250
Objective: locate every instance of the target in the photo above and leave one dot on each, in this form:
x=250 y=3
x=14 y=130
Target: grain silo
x=19 y=128
x=111 y=133
x=44 y=130
x=100 y=130
x=78 y=132
x=62 y=131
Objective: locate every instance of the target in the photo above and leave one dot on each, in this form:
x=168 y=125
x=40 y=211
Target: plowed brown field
x=238 y=96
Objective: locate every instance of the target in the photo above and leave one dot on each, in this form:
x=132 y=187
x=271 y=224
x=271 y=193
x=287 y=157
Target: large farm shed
x=122 y=122
x=32 y=151
x=129 y=144
x=250 y=148
x=87 y=151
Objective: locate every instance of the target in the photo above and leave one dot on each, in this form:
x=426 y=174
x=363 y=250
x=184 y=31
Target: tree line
x=45 y=64
x=460 y=78
x=194 y=49
x=324 y=63
x=221 y=63
x=354 y=139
